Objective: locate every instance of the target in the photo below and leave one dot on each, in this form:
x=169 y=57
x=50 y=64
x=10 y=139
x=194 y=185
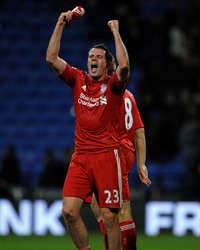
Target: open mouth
x=94 y=68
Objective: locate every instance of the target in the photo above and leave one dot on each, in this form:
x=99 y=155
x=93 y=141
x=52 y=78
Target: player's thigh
x=77 y=183
x=95 y=207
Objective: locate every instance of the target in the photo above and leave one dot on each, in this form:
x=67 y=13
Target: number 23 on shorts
x=112 y=196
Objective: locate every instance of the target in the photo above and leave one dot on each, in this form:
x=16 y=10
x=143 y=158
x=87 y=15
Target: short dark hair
x=109 y=57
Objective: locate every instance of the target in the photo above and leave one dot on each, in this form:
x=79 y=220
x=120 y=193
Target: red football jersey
x=96 y=108
x=130 y=120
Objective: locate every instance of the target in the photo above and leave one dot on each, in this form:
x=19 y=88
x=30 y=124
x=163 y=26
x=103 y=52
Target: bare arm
x=140 y=144
x=52 y=54
x=123 y=69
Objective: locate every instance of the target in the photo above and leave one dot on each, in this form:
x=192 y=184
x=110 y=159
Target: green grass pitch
x=161 y=242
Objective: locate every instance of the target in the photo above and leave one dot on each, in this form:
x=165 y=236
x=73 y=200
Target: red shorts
x=100 y=173
x=127 y=161
x=129 y=157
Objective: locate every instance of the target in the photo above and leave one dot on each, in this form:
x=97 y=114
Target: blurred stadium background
x=37 y=119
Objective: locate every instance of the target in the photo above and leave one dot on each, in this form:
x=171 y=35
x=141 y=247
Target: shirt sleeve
x=69 y=75
x=117 y=87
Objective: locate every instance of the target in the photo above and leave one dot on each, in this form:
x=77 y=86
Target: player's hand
x=143 y=175
x=113 y=25
x=65 y=18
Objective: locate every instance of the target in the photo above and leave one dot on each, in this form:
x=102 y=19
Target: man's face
x=97 y=65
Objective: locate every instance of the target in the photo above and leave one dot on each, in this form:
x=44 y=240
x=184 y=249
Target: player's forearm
x=122 y=56
x=123 y=68
x=140 y=144
x=54 y=43
x=121 y=51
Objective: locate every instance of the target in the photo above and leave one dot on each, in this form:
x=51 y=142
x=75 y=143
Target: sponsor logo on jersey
x=103 y=100
x=91 y=101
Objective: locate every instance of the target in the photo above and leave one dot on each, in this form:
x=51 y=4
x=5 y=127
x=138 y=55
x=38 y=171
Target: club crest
x=103 y=88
